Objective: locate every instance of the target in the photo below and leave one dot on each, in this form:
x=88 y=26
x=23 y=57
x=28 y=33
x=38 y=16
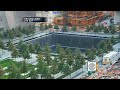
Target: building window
x=1 y=29
x=1 y=18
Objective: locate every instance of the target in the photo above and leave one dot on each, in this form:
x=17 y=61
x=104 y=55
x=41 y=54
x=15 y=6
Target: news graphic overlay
x=35 y=19
x=91 y=66
x=56 y=12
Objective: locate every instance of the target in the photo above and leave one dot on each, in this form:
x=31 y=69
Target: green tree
x=60 y=65
x=31 y=48
x=47 y=52
x=99 y=28
x=15 y=53
x=37 y=48
x=87 y=52
x=119 y=28
x=56 y=27
x=8 y=43
x=26 y=54
x=105 y=48
x=64 y=29
x=70 y=59
x=18 y=34
x=23 y=30
x=88 y=29
x=113 y=40
x=96 y=29
x=33 y=74
x=102 y=28
x=36 y=45
x=19 y=44
x=91 y=55
x=112 y=29
x=18 y=75
x=61 y=55
x=31 y=28
x=50 y=26
x=99 y=52
x=101 y=44
x=69 y=56
x=10 y=34
x=1 y=45
x=77 y=64
x=118 y=39
x=66 y=69
x=1 y=72
x=24 y=67
x=67 y=51
x=92 y=27
x=5 y=34
x=13 y=31
x=1 y=36
x=54 y=67
x=22 y=47
x=94 y=51
x=46 y=27
x=41 y=27
x=110 y=48
x=74 y=28
x=27 y=31
x=46 y=73
x=19 y=28
x=12 y=71
x=40 y=64
x=82 y=61
x=58 y=48
x=11 y=47
x=106 y=30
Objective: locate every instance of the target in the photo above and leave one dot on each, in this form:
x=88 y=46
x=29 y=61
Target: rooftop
x=110 y=54
x=116 y=45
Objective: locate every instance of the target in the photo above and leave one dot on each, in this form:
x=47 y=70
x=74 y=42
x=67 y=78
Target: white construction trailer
x=112 y=57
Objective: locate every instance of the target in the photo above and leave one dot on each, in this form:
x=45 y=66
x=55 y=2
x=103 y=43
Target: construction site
x=82 y=18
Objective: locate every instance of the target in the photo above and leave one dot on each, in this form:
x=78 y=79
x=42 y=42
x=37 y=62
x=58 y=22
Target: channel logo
x=92 y=66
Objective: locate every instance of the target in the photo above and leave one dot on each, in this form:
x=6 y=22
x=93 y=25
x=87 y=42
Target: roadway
x=81 y=72
x=100 y=65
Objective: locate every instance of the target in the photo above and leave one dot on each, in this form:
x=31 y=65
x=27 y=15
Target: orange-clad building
x=81 y=18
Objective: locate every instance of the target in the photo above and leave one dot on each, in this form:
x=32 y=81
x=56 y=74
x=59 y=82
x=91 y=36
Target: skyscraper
x=116 y=17
x=12 y=19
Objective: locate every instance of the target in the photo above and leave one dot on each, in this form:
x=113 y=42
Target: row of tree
x=45 y=27
x=111 y=29
x=100 y=28
x=64 y=28
x=17 y=32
